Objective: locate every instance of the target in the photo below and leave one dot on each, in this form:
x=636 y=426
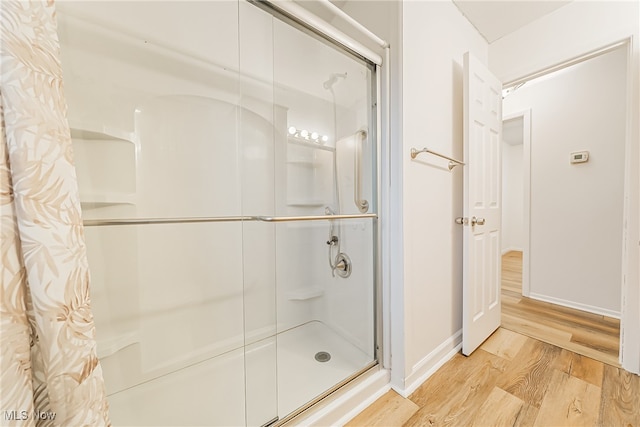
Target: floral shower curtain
x=49 y=370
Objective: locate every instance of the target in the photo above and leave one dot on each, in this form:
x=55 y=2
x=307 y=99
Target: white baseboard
x=431 y=363
x=576 y=305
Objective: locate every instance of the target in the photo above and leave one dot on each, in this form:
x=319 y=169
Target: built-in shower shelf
x=306 y=203
x=313 y=145
x=305 y=163
x=100 y=200
x=105 y=161
x=302 y=294
x=97 y=132
x=110 y=346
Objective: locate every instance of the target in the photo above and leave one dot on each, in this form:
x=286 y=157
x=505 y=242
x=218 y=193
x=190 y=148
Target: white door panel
x=482 y=204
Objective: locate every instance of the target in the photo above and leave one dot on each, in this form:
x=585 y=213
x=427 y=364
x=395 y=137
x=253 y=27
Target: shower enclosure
x=226 y=159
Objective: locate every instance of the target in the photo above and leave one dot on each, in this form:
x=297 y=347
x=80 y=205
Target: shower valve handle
x=342 y=266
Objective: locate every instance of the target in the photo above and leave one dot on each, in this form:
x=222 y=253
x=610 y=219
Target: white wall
x=426 y=258
x=435 y=37
x=576 y=209
x=570 y=31
x=512 y=197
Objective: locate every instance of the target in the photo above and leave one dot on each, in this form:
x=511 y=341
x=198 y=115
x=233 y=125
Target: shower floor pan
x=212 y=392
x=301 y=377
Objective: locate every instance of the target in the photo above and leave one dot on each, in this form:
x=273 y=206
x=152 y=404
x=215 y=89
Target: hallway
x=591 y=335
x=531 y=371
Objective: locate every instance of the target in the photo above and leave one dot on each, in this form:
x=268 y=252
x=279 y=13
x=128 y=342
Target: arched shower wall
x=206 y=215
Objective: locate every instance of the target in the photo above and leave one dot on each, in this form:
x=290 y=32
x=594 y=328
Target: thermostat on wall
x=580 y=157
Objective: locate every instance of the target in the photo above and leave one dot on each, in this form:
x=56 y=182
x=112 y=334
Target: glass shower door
x=308 y=183
x=257 y=165
x=154 y=104
x=324 y=169
x=226 y=167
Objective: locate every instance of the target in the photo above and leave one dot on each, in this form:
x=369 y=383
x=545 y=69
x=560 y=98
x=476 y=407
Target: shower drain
x=323 y=356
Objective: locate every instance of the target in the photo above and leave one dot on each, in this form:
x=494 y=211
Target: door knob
x=478 y=221
x=474 y=221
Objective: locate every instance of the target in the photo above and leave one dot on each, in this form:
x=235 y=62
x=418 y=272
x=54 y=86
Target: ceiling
x=492 y=18
x=495 y=19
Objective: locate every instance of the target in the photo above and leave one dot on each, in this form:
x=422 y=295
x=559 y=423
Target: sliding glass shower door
x=325 y=298
x=226 y=162
x=309 y=279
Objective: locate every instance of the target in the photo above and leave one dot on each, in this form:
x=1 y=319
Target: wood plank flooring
x=588 y=334
x=547 y=366
x=514 y=380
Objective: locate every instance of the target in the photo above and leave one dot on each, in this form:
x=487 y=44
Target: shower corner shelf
x=303 y=294
x=305 y=163
x=306 y=144
x=112 y=345
x=95 y=131
x=98 y=132
x=99 y=151
x=306 y=203
x=100 y=200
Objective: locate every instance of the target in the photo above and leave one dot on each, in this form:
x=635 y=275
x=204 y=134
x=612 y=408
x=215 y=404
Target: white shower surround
x=194 y=389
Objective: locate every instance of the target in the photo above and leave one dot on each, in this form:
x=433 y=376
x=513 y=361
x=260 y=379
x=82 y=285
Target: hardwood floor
x=514 y=380
x=588 y=334
x=547 y=366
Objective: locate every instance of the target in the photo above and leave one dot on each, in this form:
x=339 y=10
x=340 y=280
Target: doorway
x=563 y=212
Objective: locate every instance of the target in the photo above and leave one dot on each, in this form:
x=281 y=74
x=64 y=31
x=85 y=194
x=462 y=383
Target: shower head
x=333 y=79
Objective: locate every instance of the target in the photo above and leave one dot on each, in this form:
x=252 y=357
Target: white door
x=482 y=204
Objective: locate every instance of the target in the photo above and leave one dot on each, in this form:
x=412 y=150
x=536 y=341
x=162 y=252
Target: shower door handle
x=361 y=204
